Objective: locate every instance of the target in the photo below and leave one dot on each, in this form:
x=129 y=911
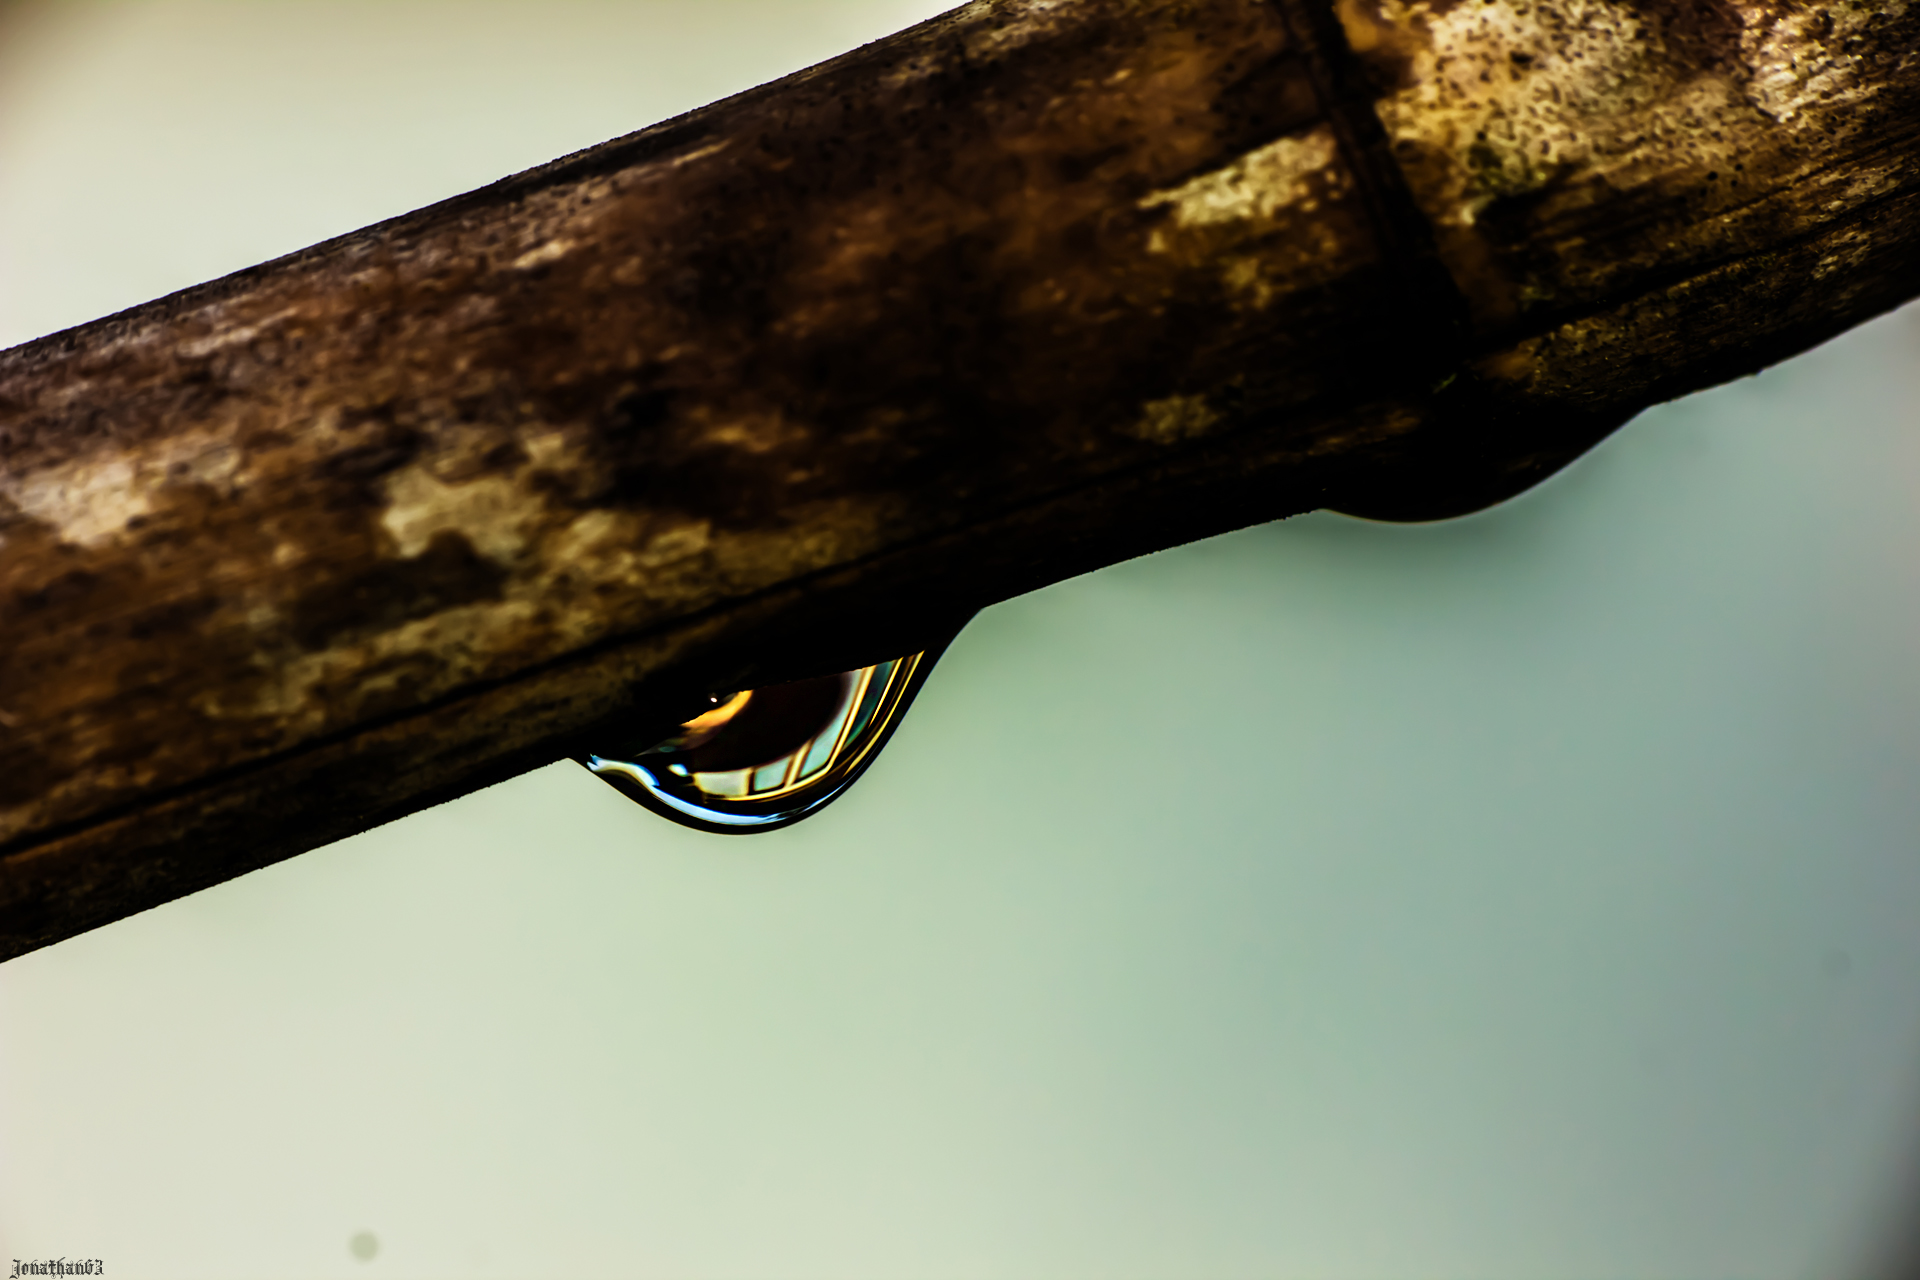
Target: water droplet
x=765 y=758
x=364 y=1246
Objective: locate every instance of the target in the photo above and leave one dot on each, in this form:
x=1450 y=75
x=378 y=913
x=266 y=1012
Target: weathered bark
x=790 y=383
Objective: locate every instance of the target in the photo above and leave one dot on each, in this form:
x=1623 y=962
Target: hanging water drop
x=765 y=758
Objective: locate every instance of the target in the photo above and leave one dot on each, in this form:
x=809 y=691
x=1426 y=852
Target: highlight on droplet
x=759 y=759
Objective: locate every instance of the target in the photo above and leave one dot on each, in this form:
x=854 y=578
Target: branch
x=793 y=382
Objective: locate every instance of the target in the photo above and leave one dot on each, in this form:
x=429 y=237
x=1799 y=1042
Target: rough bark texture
x=795 y=381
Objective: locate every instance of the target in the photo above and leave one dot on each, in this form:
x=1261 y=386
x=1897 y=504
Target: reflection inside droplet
x=764 y=758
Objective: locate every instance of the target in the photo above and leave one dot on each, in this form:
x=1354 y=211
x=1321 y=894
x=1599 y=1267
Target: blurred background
x=1529 y=895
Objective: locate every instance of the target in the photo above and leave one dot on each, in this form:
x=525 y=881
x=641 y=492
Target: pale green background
x=1528 y=896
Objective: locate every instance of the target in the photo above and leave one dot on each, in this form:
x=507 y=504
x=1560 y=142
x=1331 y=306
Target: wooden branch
x=795 y=381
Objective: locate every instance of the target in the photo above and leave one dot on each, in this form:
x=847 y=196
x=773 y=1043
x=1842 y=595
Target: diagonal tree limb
x=797 y=381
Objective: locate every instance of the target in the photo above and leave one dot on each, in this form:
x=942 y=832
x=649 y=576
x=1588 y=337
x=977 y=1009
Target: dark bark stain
x=1704 y=34
x=1272 y=99
x=448 y=572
